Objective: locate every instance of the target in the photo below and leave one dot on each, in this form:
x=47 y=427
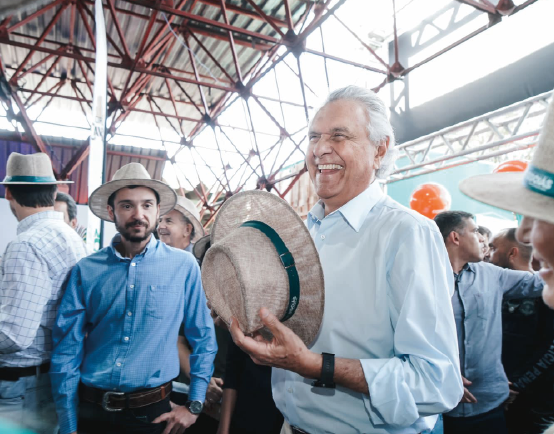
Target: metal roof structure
x=63 y=151
x=180 y=65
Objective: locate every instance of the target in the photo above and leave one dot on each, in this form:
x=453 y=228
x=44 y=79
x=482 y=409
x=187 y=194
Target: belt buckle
x=106 y=399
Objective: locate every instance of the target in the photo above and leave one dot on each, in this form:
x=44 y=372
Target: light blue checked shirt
x=34 y=267
x=131 y=311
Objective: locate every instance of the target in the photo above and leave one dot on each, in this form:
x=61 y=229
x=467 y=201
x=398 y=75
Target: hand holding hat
x=262 y=255
x=285 y=350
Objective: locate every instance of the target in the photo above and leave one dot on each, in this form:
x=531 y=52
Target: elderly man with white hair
x=385 y=359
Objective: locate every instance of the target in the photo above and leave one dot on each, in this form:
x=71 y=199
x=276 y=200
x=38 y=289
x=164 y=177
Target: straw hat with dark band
x=32 y=169
x=130 y=174
x=189 y=210
x=530 y=193
x=262 y=255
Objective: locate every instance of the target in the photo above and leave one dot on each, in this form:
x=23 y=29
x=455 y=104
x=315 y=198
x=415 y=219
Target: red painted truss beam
x=215 y=3
x=207 y=21
x=117 y=65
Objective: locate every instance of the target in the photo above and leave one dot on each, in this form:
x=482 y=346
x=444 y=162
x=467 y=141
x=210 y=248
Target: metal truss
x=159 y=71
x=510 y=129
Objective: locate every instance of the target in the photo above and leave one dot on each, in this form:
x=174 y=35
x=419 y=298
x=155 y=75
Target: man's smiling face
x=341 y=159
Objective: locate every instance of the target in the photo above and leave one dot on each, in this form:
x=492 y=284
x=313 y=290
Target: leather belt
x=14 y=374
x=117 y=401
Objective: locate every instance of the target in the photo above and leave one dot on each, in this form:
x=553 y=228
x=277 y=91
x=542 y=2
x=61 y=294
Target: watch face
x=195 y=407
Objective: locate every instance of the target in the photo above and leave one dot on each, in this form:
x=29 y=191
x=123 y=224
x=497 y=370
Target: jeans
x=28 y=402
x=93 y=419
x=491 y=422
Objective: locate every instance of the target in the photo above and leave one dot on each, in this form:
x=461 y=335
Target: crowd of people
x=421 y=318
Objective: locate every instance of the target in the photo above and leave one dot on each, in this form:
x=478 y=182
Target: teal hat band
x=288 y=263
x=540 y=181
x=29 y=179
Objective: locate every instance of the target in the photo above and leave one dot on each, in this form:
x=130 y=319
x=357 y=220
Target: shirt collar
x=27 y=222
x=150 y=247
x=466 y=267
x=355 y=211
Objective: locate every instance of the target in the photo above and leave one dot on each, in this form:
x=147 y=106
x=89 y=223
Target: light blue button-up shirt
x=131 y=310
x=477 y=303
x=388 y=283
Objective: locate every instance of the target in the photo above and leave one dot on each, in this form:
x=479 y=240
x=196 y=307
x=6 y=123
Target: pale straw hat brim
x=98 y=201
x=198 y=228
x=506 y=191
x=276 y=213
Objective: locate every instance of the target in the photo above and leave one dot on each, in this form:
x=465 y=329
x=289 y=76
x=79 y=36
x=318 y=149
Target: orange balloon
x=511 y=166
x=430 y=199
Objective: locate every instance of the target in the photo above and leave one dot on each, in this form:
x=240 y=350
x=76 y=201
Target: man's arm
x=200 y=333
x=287 y=351
x=424 y=376
x=25 y=290
x=227 y=410
x=519 y=284
x=184 y=355
x=68 y=336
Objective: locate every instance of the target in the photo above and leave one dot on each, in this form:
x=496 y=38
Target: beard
x=125 y=230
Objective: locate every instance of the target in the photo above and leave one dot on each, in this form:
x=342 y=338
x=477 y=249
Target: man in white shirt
x=388 y=284
x=35 y=266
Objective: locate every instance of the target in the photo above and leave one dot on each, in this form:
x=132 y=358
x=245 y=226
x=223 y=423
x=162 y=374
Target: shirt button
x=126 y=338
x=131 y=286
x=289 y=390
x=118 y=364
x=130 y=313
x=133 y=265
x=323 y=237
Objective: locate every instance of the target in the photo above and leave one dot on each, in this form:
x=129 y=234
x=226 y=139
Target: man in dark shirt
x=527 y=337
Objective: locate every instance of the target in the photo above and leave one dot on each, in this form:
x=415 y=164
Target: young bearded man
x=115 y=350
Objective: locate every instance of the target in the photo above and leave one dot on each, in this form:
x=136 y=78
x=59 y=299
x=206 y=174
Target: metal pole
x=97 y=155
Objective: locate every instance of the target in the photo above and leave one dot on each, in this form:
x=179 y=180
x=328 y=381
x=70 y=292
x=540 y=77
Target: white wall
x=8 y=224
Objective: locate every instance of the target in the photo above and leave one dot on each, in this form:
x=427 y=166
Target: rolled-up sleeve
x=68 y=335
x=422 y=377
x=519 y=284
x=200 y=333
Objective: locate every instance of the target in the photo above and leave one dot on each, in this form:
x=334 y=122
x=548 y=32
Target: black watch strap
x=327 y=372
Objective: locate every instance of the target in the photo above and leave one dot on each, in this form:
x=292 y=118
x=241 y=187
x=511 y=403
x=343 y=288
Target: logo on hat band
x=288 y=263
x=540 y=181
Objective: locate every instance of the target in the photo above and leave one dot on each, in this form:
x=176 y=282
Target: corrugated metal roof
x=62 y=151
x=134 y=27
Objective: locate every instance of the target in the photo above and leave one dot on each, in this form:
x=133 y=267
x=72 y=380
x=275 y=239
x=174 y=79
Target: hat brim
x=37 y=183
x=98 y=200
x=276 y=213
x=506 y=191
x=200 y=247
x=198 y=228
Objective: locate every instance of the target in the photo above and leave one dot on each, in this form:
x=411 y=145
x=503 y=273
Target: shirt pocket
x=162 y=300
x=484 y=306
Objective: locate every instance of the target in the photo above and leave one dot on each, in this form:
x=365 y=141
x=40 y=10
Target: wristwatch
x=327 y=372
x=195 y=407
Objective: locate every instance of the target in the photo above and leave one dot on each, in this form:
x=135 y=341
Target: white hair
x=379 y=127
